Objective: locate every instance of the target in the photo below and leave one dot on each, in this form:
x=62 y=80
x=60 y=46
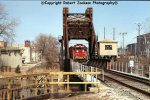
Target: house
x=10 y=58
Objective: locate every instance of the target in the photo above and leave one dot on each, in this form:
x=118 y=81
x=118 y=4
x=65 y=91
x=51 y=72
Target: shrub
x=18 y=69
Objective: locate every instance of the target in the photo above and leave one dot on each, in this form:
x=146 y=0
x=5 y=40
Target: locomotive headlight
x=82 y=50
x=77 y=50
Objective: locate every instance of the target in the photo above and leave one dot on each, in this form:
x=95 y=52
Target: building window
x=108 y=47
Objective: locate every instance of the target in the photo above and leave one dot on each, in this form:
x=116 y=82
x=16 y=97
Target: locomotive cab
x=78 y=52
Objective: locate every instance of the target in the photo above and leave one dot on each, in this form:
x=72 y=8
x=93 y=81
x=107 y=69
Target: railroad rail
x=133 y=83
x=134 y=77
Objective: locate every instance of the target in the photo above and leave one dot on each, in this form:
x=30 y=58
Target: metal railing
x=25 y=86
x=78 y=67
x=136 y=70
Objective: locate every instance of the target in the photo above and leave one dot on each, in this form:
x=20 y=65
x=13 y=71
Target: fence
x=135 y=70
x=77 y=67
x=25 y=86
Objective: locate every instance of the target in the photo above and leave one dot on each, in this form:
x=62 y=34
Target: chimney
x=27 y=43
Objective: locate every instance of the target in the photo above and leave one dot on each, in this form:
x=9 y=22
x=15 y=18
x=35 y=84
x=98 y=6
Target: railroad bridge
x=78 y=26
x=41 y=85
x=47 y=85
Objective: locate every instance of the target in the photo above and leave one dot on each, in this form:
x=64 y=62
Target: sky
x=35 y=18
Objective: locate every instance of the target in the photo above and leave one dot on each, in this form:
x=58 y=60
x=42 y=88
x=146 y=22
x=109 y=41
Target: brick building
x=131 y=49
x=142 y=47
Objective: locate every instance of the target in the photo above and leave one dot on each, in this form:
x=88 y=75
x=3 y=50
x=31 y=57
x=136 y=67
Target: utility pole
x=139 y=28
x=138 y=39
x=97 y=36
x=123 y=40
x=104 y=32
x=113 y=33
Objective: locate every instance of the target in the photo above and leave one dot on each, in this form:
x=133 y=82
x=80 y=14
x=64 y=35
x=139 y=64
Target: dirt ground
x=109 y=94
x=43 y=68
x=33 y=69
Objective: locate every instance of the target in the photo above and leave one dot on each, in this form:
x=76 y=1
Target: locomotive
x=78 y=52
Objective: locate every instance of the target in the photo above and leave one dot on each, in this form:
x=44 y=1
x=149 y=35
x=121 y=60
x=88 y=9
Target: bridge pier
x=67 y=65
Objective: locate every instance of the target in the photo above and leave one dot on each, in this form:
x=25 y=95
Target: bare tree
x=7 y=25
x=48 y=46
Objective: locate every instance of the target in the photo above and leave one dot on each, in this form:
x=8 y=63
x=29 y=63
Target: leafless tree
x=7 y=25
x=48 y=46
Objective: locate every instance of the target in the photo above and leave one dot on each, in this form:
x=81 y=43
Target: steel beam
x=78 y=26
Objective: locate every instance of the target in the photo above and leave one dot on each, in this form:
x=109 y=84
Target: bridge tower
x=78 y=26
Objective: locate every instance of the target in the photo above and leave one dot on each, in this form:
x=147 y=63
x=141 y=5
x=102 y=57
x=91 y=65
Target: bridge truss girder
x=79 y=26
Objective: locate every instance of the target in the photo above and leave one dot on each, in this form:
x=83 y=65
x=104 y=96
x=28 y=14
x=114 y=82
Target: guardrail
x=25 y=86
x=78 y=67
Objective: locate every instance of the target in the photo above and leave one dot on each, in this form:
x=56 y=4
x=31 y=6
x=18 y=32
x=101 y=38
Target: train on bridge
x=79 y=26
x=107 y=49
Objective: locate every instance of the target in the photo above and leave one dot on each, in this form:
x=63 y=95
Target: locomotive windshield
x=80 y=48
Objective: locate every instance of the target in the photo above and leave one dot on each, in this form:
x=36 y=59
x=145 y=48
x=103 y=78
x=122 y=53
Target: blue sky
x=36 y=18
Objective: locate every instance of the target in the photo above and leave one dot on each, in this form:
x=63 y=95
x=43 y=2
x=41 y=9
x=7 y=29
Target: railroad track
x=130 y=82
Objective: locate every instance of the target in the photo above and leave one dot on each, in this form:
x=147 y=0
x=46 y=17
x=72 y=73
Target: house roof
x=10 y=48
x=108 y=41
